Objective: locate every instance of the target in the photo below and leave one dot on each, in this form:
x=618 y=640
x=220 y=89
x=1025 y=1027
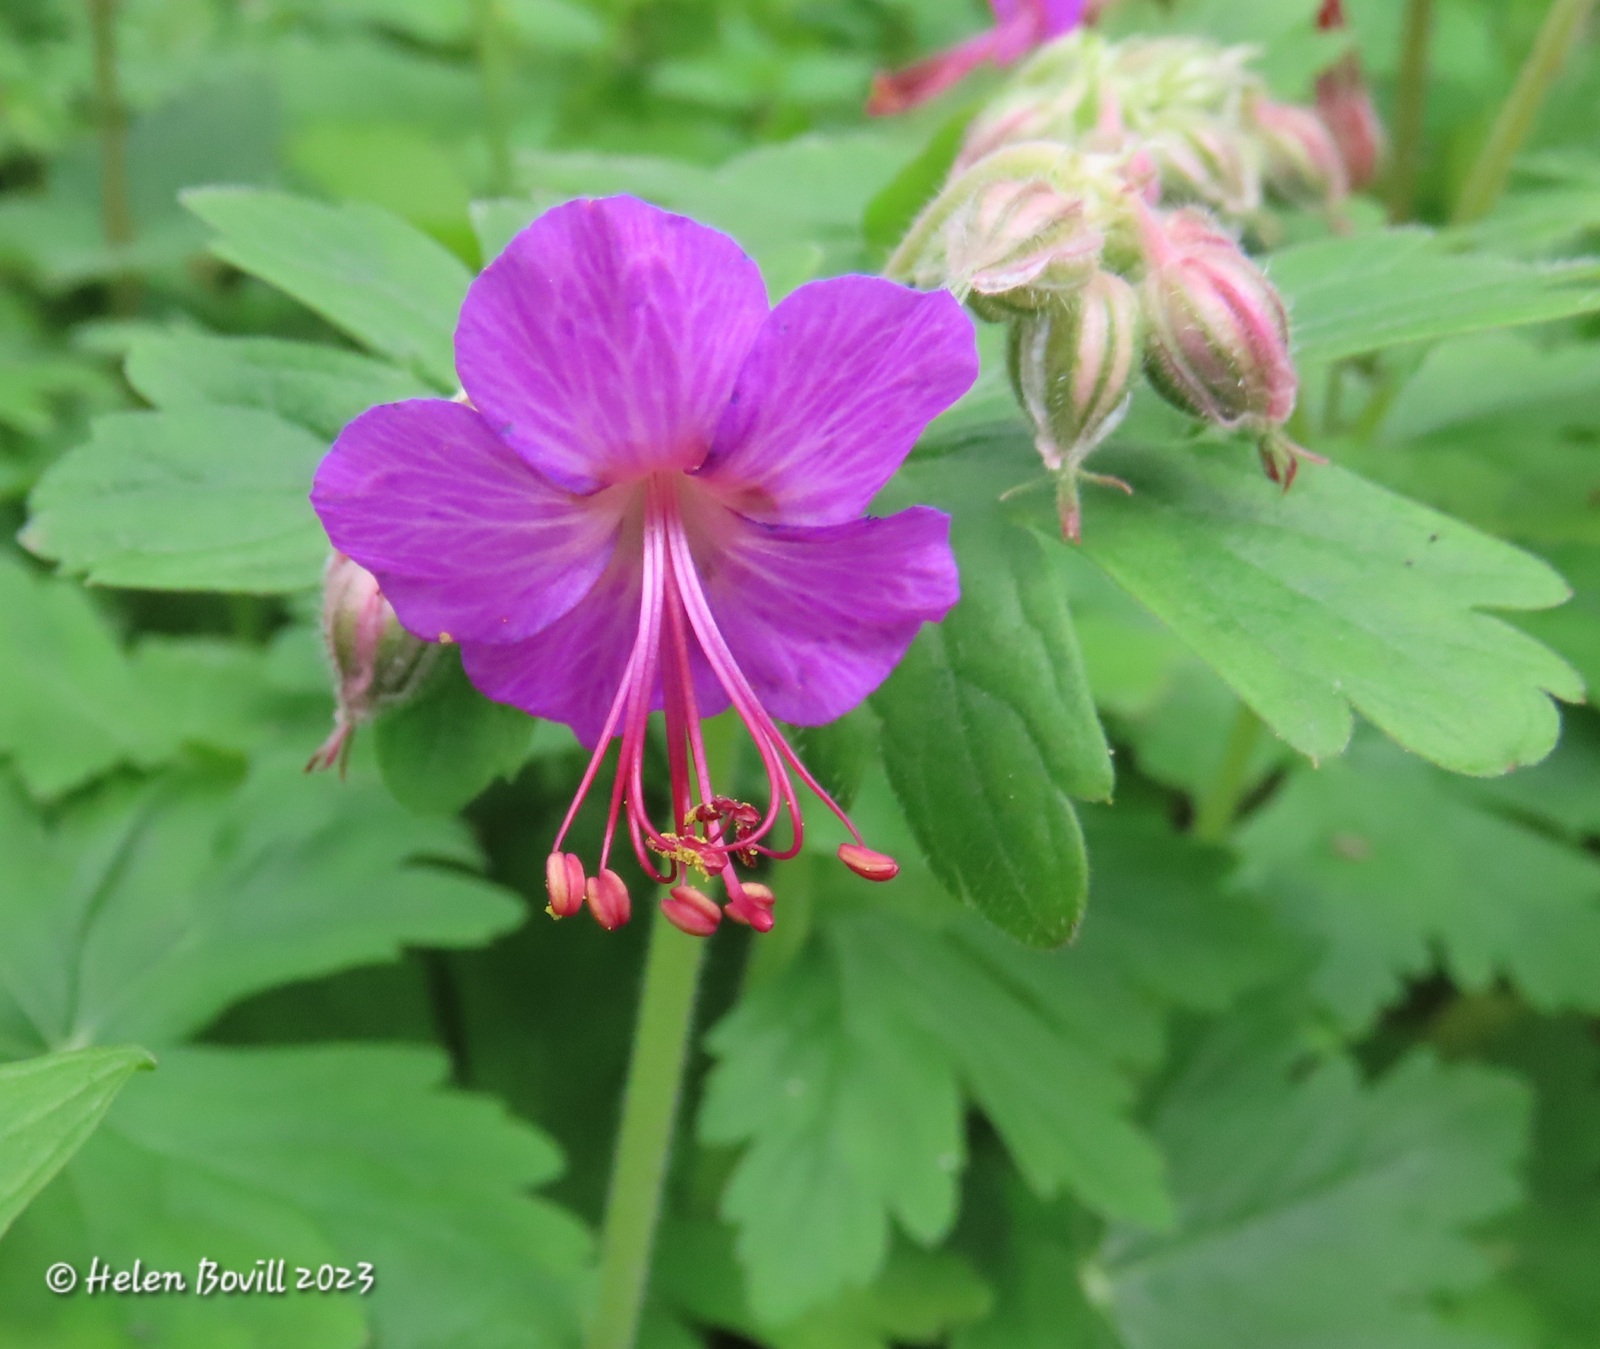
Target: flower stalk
x=1562 y=24
x=1411 y=106
x=116 y=206
x=644 y=1141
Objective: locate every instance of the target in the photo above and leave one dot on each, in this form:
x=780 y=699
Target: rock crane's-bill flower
x=1019 y=27
x=653 y=501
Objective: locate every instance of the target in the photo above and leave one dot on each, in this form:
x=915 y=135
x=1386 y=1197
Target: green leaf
x=318 y=387
x=846 y=1073
x=1337 y=598
x=336 y=1154
x=145 y=911
x=1390 y=867
x=204 y=499
x=1359 y=294
x=438 y=751
x=890 y=214
x=989 y=725
x=384 y=282
x=917 y=1298
x=48 y=1108
x=1315 y=1211
x=70 y=707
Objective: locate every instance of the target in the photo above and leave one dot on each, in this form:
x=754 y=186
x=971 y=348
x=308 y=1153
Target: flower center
x=708 y=833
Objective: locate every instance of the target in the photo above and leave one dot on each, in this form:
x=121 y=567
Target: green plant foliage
x=1350 y=296
x=440 y=750
x=1313 y=1209
x=1390 y=867
x=1003 y=682
x=146 y=911
x=212 y=498
x=423 y=1185
x=48 y=1107
x=1338 y=598
x=846 y=1072
x=360 y=267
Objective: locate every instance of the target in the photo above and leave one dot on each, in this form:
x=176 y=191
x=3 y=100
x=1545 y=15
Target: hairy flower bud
x=1207 y=160
x=1217 y=341
x=376 y=662
x=1345 y=106
x=1303 y=163
x=1020 y=239
x=1072 y=367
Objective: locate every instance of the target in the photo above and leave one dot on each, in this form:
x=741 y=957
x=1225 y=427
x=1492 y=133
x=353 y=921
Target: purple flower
x=654 y=501
x=1019 y=27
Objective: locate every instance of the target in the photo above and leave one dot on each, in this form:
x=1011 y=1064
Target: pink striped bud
x=869 y=865
x=608 y=900
x=688 y=910
x=1217 y=334
x=751 y=904
x=1345 y=105
x=565 y=883
x=376 y=662
x=1205 y=160
x=1072 y=365
x=1020 y=240
x=1303 y=163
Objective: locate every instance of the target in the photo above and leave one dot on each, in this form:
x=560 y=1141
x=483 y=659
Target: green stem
x=116 y=206
x=1411 y=108
x=495 y=76
x=1219 y=801
x=1562 y=23
x=650 y=1102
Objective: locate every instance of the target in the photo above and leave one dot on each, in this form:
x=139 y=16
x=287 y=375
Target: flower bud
x=751 y=904
x=1023 y=240
x=1218 y=336
x=1345 y=105
x=1217 y=341
x=376 y=662
x=608 y=900
x=688 y=910
x=1303 y=163
x=565 y=883
x=1203 y=159
x=1072 y=365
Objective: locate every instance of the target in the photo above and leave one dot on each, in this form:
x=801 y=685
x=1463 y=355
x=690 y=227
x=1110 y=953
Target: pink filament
x=672 y=607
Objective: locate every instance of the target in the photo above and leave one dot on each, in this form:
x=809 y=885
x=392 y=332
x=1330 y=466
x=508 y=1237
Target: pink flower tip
x=608 y=900
x=565 y=882
x=691 y=911
x=870 y=865
x=752 y=906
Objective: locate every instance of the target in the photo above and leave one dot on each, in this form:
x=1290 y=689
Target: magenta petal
x=1059 y=16
x=605 y=340
x=817 y=617
x=463 y=536
x=840 y=383
x=572 y=670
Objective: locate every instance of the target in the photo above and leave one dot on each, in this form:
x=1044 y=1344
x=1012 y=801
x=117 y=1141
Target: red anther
x=872 y=866
x=688 y=910
x=1331 y=15
x=608 y=900
x=564 y=880
x=752 y=906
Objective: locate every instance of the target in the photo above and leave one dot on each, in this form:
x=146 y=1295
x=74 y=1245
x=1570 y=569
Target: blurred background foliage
x=1330 y=1079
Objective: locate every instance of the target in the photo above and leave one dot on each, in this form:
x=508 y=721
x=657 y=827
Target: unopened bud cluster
x=376 y=663
x=1096 y=209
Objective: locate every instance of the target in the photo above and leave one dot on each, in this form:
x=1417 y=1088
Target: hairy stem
x=1411 y=109
x=650 y=1103
x=1219 y=801
x=116 y=207
x=1562 y=23
x=495 y=76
